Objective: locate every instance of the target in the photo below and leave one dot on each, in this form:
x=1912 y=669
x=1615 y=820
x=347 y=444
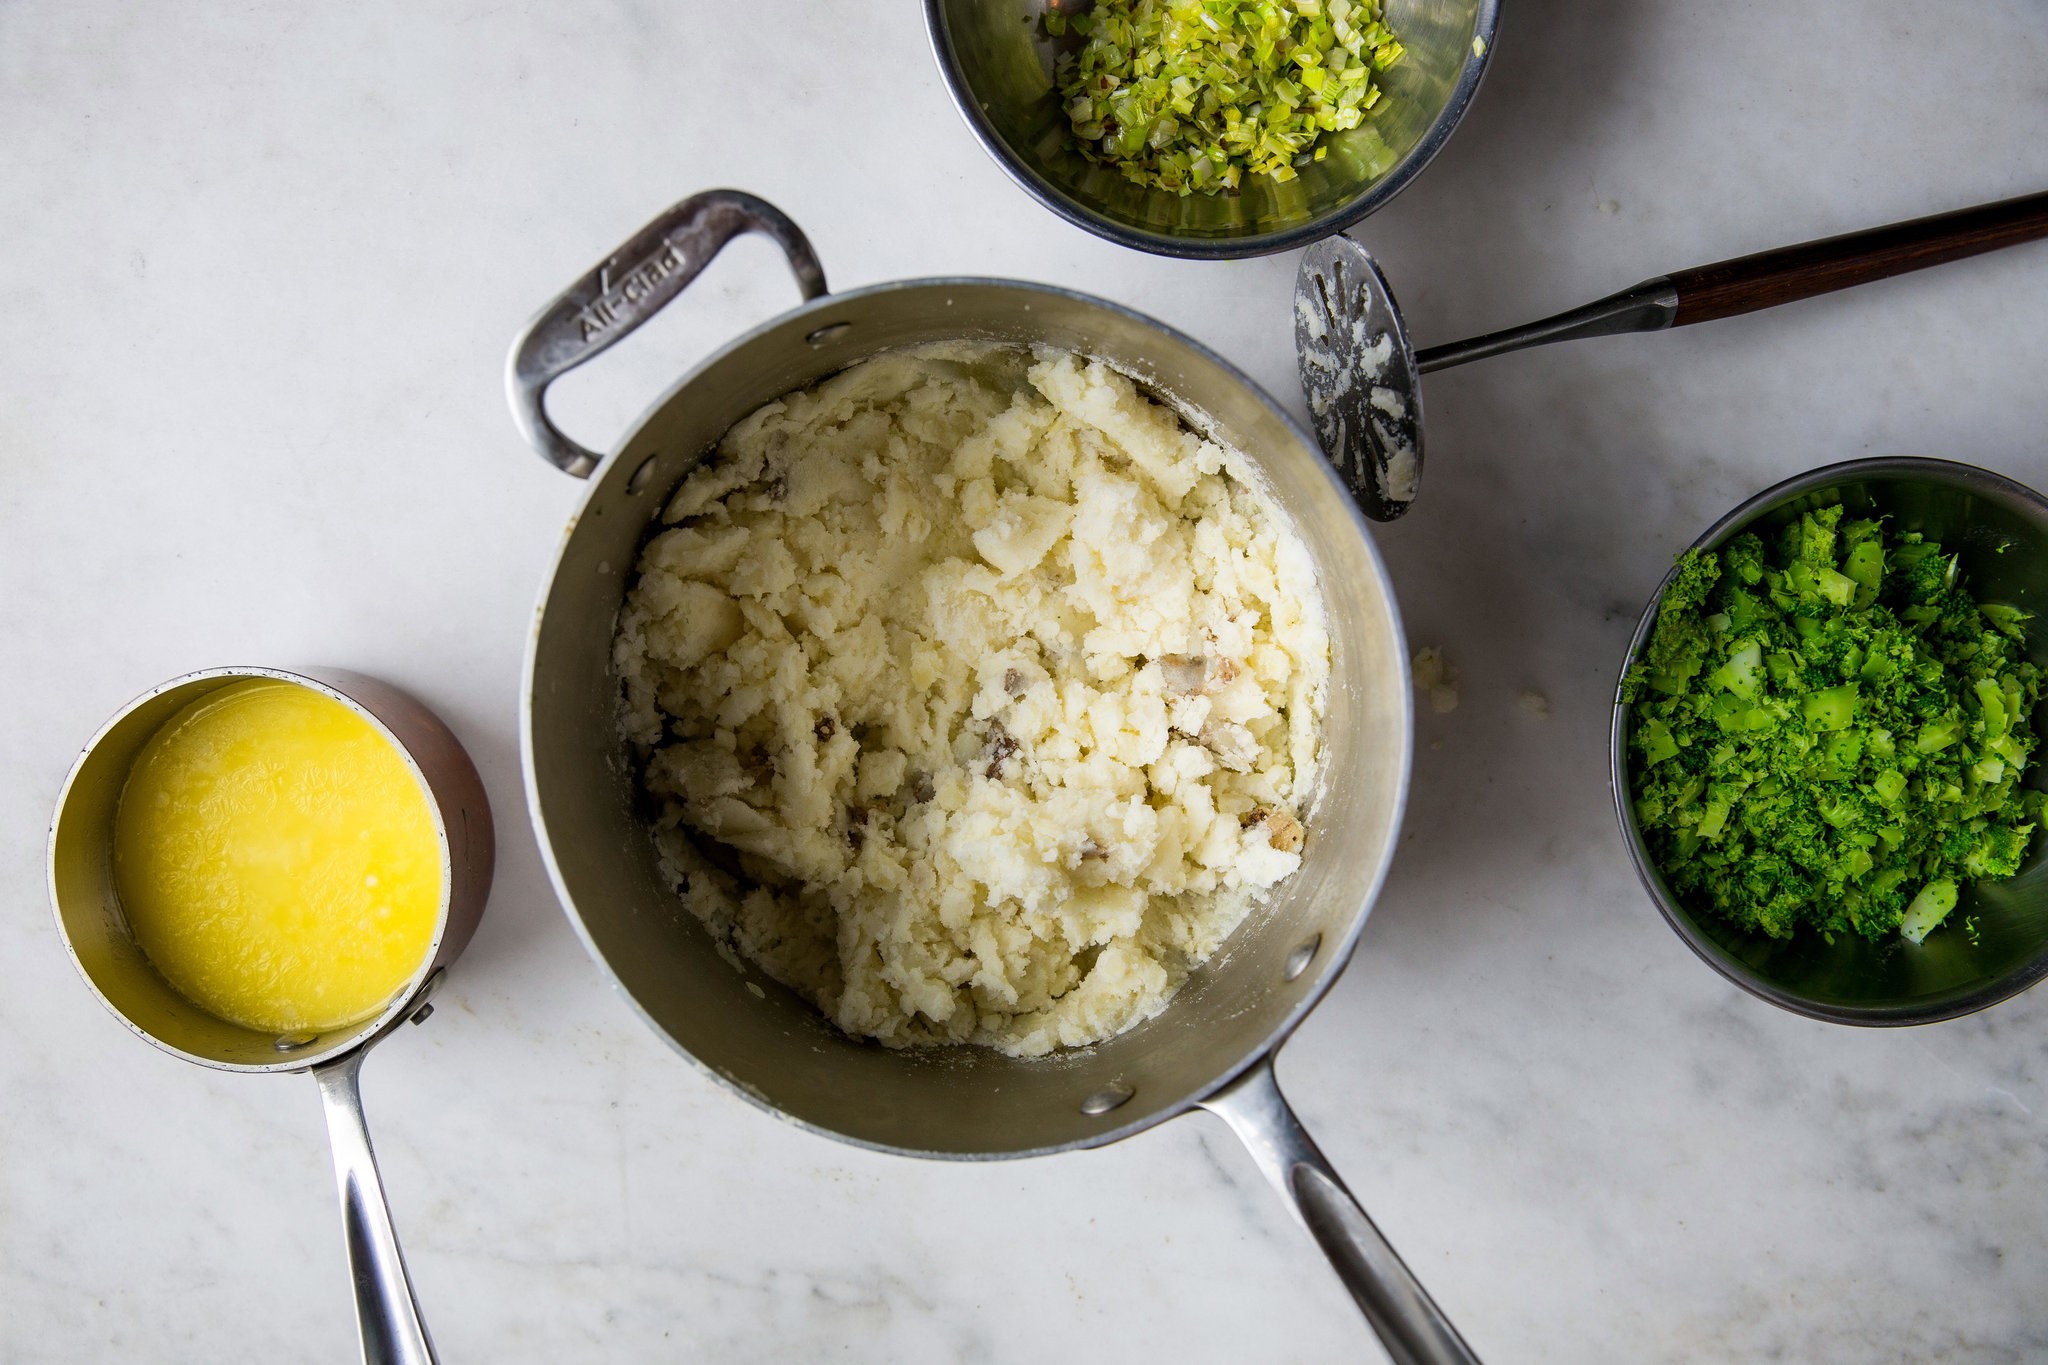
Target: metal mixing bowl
x=2000 y=530
x=998 y=65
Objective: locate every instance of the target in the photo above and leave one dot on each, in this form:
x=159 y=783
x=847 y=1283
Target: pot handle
x=387 y=1314
x=1410 y=1325
x=629 y=287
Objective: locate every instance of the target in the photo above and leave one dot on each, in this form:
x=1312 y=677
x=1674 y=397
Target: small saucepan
x=95 y=930
x=1213 y=1046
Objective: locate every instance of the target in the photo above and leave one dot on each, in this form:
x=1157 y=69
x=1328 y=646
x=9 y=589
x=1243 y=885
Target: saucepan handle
x=1410 y=1325
x=387 y=1314
x=629 y=287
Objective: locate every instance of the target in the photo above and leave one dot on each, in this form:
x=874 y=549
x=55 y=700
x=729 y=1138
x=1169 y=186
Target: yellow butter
x=277 y=859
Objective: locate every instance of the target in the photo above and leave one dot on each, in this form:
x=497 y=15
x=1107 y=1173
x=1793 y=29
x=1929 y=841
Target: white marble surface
x=258 y=268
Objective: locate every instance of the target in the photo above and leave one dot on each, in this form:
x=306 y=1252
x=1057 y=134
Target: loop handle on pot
x=1410 y=1325
x=633 y=284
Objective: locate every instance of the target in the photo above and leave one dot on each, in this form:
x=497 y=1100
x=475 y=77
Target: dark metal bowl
x=999 y=68
x=2000 y=529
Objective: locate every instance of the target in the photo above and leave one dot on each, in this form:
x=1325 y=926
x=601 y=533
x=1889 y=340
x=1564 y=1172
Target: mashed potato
x=980 y=697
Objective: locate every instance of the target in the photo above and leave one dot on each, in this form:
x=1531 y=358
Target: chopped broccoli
x=1833 y=736
x=1928 y=909
x=1675 y=655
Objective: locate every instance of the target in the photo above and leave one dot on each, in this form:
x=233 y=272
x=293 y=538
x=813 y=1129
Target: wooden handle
x=1768 y=278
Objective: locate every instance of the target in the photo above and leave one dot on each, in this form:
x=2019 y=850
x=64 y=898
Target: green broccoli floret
x=1863 y=558
x=2010 y=621
x=1921 y=574
x=1834 y=738
x=1675 y=655
x=1811 y=539
x=1742 y=559
x=1694 y=582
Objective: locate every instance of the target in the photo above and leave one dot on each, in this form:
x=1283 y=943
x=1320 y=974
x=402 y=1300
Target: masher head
x=1358 y=375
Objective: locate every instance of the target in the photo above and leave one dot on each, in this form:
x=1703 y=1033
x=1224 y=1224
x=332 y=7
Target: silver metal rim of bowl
x=1369 y=200
x=1994 y=990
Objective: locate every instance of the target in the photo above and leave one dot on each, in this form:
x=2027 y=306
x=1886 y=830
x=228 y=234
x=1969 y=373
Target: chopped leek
x=1190 y=95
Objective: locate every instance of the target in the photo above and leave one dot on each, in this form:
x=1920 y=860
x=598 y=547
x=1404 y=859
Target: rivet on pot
x=831 y=331
x=292 y=1042
x=1298 y=960
x=1107 y=1098
x=638 y=479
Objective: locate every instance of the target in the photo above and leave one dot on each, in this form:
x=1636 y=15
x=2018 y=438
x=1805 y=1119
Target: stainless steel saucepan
x=1213 y=1047
x=95 y=930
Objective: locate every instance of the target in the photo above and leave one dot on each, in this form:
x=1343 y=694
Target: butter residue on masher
x=980 y=697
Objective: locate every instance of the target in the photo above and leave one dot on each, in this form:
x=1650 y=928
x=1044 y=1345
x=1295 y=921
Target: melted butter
x=277 y=859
